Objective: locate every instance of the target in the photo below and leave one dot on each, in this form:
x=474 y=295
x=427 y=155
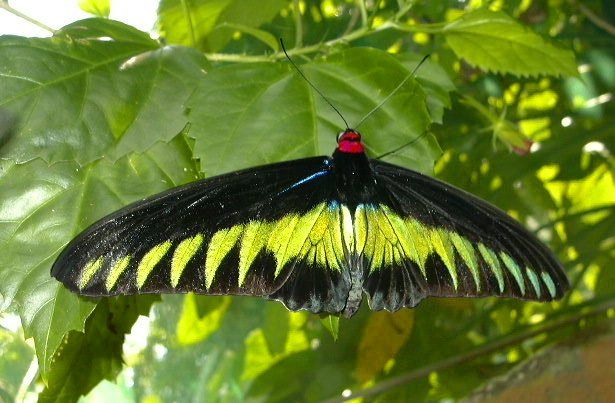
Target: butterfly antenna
x=312 y=85
x=402 y=146
x=384 y=101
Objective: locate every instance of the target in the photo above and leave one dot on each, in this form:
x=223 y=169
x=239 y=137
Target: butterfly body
x=316 y=234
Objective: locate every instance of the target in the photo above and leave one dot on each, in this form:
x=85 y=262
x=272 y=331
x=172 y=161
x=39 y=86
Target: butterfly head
x=349 y=141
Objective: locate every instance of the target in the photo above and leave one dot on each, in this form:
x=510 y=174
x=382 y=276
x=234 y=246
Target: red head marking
x=350 y=142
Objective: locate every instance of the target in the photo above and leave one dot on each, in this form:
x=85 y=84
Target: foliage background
x=517 y=101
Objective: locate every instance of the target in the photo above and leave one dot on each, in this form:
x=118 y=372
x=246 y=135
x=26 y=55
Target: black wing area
x=265 y=231
x=442 y=241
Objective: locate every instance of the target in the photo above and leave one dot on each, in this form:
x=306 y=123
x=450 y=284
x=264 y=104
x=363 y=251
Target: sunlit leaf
x=99 y=8
x=494 y=41
x=200 y=319
x=118 y=92
x=44 y=207
x=194 y=22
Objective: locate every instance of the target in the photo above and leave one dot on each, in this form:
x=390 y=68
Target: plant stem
x=298 y=24
x=352 y=36
x=363 y=10
x=5 y=5
x=475 y=353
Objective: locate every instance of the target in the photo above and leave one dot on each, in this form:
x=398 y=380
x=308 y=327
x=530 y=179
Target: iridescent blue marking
x=309 y=178
x=304 y=180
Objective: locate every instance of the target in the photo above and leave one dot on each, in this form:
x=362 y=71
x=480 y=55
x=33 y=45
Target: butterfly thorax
x=354 y=176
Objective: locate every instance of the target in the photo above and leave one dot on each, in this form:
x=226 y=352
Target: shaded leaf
x=434 y=81
x=86 y=358
x=116 y=96
x=247 y=115
x=43 y=207
x=494 y=41
x=384 y=334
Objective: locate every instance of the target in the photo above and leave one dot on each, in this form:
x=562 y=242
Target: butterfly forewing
x=427 y=238
x=246 y=232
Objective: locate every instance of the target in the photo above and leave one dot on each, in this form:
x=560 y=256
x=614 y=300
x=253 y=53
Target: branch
x=473 y=354
x=593 y=17
x=5 y=5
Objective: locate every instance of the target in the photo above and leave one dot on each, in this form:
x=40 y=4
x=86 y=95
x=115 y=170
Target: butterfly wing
x=428 y=238
x=269 y=231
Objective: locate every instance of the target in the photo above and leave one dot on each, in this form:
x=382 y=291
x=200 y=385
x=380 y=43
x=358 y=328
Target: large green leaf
x=246 y=115
x=494 y=41
x=209 y=24
x=42 y=207
x=98 y=88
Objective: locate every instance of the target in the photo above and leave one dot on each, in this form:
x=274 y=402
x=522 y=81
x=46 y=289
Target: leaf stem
x=479 y=351
x=5 y=5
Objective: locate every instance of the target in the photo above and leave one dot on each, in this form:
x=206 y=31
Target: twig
x=593 y=17
x=7 y=7
x=473 y=354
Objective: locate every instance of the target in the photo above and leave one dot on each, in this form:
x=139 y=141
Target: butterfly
x=316 y=234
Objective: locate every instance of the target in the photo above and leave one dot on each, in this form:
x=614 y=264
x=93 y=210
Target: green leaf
x=247 y=115
x=332 y=324
x=259 y=34
x=86 y=358
x=383 y=336
x=200 y=317
x=194 y=22
x=111 y=92
x=494 y=41
x=16 y=359
x=434 y=81
x=99 y=8
x=43 y=207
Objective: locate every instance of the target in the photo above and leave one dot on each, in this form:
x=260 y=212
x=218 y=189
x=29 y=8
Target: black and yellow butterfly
x=315 y=234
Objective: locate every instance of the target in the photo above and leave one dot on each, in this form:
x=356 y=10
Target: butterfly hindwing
x=427 y=238
x=264 y=231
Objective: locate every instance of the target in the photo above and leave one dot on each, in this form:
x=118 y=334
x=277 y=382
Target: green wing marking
x=389 y=241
